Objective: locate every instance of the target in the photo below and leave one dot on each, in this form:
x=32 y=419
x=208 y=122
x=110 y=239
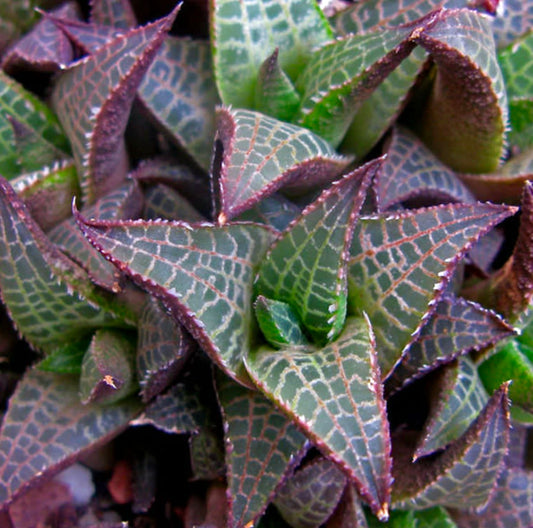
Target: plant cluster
x=304 y=244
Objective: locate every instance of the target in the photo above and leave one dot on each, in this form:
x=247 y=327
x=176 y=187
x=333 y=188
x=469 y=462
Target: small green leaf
x=243 y=35
x=465 y=474
x=400 y=265
x=335 y=395
x=116 y=13
x=203 y=275
x=107 y=371
x=261 y=154
x=47 y=428
x=458 y=400
x=434 y=518
x=262 y=447
x=278 y=323
x=67 y=358
x=93 y=100
x=306 y=266
x=309 y=497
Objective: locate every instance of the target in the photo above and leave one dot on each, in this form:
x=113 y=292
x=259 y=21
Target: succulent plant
x=304 y=245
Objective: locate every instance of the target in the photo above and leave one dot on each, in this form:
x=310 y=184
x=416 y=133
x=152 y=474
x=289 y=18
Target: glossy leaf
x=467 y=78
x=465 y=474
x=309 y=497
x=179 y=92
x=335 y=395
x=412 y=172
x=511 y=503
x=45 y=310
x=107 y=371
x=455 y=328
x=45 y=47
x=244 y=35
x=306 y=266
x=262 y=447
x=93 y=100
x=163 y=348
x=67 y=358
x=116 y=13
x=261 y=154
x=203 y=275
x=436 y=517
x=400 y=265
x=47 y=428
x=279 y=323
x=459 y=399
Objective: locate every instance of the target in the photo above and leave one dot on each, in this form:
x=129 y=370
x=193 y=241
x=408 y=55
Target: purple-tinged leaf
x=93 y=100
x=306 y=266
x=402 y=263
x=468 y=97
x=244 y=35
x=123 y=203
x=144 y=481
x=518 y=445
x=67 y=358
x=465 y=474
x=56 y=184
x=309 y=497
x=116 y=13
x=46 y=309
x=514 y=19
x=203 y=274
x=335 y=395
x=46 y=428
x=275 y=211
x=457 y=400
x=108 y=368
x=263 y=447
x=511 y=503
x=163 y=348
x=455 y=328
x=411 y=172
x=349 y=512
x=261 y=155
x=45 y=47
x=180 y=94
x=207 y=454
x=164 y=202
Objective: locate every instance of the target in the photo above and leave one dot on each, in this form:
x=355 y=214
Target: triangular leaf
x=93 y=100
x=46 y=428
x=306 y=266
x=244 y=35
x=163 y=348
x=116 y=13
x=67 y=358
x=309 y=497
x=164 y=202
x=261 y=154
x=335 y=395
x=465 y=474
x=401 y=264
x=203 y=275
x=262 y=447
x=459 y=399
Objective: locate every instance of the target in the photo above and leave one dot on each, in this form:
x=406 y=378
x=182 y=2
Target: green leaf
x=278 y=323
x=411 y=172
x=465 y=474
x=455 y=328
x=46 y=310
x=164 y=202
x=108 y=371
x=163 y=348
x=203 y=275
x=398 y=519
x=306 y=266
x=179 y=92
x=20 y=12
x=275 y=211
x=401 y=263
x=434 y=518
x=261 y=154
x=67 y=358
x=459 y=398
x=46 y=428
x=309 y=497
x=511 y=503
x=262 y=447
x=335 y=395
x=93 y=100
x=244 y=35
x=116 y=13
x=467 y=79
